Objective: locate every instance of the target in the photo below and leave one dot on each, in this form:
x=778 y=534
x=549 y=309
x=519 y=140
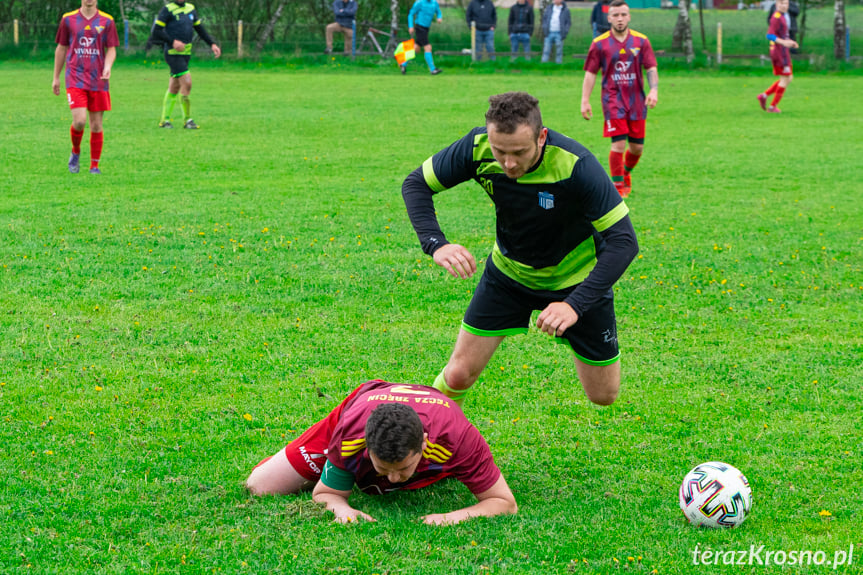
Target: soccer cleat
x=436 y=71
x=96 y=171
x=404 y=69
x=762 y=99
x=624 y=191
x=627 y=180
x=774 y=110
x=74 y=163
x=166 y=124
x=191 y=125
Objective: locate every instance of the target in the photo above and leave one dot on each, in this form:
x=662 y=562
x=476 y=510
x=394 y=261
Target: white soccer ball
x=715 y=494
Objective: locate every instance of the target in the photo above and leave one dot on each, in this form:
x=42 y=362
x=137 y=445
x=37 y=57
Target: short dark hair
x=394 y=431
x=510 y=110
x=616 y=3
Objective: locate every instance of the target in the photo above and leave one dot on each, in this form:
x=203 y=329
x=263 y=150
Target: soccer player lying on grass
x=384 y=437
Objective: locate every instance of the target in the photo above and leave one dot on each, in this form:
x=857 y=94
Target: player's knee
x=603 y=397
x=459 y=376
x=79 y=125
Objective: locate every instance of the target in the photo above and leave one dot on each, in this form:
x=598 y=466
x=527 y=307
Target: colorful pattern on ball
x=715 y=494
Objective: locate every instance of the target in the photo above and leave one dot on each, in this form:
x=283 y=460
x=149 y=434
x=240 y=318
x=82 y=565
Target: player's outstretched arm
x=337 y=502
x=586 y=90
x=496 y=500
x=59 y=62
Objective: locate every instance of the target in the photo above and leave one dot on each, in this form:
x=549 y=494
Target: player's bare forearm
x=59 y=62
x=497 y=500
x=653 y=82
x=586 y=90
x=110 y=58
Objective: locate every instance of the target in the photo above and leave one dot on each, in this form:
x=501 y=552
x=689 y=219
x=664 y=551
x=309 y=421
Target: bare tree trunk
x=839 y=30
x=681 y=39
x=394 y=28
x=701 y=18
x=801 y=32
x=265 y=35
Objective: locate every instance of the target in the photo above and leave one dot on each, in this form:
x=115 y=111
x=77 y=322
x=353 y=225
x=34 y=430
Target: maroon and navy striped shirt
x=87 y=40
x=622 y=80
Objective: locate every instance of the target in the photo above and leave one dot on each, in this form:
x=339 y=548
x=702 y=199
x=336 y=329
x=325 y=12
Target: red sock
x=615 y=165
x=780 y=91
x=96 y=140
x=76 y=139
x=772 y=88
x=630 y=160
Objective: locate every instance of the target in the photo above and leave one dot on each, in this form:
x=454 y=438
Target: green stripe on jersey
x=431 y=178
x=556 y=166
x=572 y=270
x=615 y=215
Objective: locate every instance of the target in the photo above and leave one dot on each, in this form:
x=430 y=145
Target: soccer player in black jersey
x=175 y=27
x=563 y=238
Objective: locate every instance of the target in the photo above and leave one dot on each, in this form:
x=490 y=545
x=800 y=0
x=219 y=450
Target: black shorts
x=501 y=306
x=178 y=63
x=421 y=35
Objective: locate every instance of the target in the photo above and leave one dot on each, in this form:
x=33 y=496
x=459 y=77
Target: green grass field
x=169 y=324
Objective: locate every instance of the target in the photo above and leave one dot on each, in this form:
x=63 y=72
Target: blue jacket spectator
x=565 y=20
x=483 y=13
x=345 y=11
x=599 y=18
x=521 y=19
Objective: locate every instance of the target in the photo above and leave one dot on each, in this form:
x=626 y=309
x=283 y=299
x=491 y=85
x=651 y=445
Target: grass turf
x=171 y=323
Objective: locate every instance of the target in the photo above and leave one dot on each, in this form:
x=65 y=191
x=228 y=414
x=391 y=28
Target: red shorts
x=308 y=453
x=623 y=127
x=780 y=70
x=93 y=100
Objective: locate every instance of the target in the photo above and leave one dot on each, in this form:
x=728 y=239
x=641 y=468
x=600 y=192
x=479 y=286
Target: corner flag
x=405 y=51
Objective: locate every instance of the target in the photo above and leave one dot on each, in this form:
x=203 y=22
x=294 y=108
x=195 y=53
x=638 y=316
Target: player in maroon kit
x=87 y=45
x=621 y=54
x=780 y=55
x=384 y=437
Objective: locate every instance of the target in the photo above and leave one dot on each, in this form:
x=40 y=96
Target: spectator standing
x=484 y=14
x=556 y=21
x=599 y=18
x=345 y=12
x=520 y=28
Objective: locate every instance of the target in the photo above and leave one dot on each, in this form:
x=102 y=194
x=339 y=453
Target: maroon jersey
x=87 y=41
x=779 y=55
x=622 y=80
x=454 y=447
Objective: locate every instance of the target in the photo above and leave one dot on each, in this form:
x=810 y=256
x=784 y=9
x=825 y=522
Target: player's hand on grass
x=438 y=519
x=586 y=110
x=351 y=515
x=556 y=318
x=456 y=260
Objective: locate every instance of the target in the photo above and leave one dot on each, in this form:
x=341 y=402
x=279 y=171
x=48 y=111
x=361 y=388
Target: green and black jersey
x=179 y=21
x=558 y=225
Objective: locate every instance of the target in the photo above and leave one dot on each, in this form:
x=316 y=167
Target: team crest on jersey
x=546 y=200
x=635 y=51
x=99 y=29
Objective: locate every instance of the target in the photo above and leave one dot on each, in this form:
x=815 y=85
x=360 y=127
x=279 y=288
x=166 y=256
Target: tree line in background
x=273 y=20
